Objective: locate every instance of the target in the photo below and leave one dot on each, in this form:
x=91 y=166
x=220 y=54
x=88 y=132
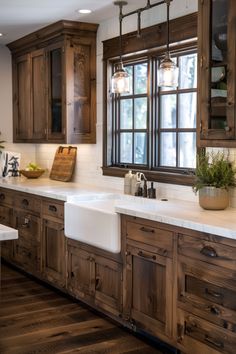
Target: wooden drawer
x=28 y=202
x=5 y=197
x=208 y=291
x=5 y=215
x=146 y=232
x=196 y=336
x=207 y=251
x=52 y=208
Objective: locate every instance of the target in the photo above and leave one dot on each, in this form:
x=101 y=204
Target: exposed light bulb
x=168 y=73
x=120 y=82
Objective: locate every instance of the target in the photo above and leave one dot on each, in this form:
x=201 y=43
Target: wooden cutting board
x=64 y=163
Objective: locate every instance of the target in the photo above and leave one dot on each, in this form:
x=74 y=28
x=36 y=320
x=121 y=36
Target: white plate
x=217 y=73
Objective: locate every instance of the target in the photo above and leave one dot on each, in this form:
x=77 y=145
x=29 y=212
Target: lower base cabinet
x=53 y=252
x=94 y=278
x=176 y=284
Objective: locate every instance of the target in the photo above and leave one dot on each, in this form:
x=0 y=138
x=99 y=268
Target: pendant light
x=120 y=82
x=168 y=72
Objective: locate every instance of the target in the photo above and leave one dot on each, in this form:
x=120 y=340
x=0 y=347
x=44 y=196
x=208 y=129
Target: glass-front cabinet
x=217 y=73
x=54 y=84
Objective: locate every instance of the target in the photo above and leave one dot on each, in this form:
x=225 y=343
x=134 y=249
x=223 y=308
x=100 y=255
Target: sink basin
x=92 y=219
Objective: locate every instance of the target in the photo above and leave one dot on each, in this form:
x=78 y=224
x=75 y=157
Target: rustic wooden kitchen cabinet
x=29 y=96
x=26 y=219
x=54 y=84
x=53 y=243
x=6 y=218
x=148 y=276
x=95 y=276
x=206 y=315
x=216 y=73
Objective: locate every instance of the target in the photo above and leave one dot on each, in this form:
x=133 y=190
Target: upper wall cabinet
x=217 y=73
x=54 y=84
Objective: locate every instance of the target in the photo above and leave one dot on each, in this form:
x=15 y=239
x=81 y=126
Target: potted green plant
x=214 y=175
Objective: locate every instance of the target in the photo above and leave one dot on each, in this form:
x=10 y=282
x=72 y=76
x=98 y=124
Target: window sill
x=155 y=176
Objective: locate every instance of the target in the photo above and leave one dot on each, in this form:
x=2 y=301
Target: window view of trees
x=156 y=127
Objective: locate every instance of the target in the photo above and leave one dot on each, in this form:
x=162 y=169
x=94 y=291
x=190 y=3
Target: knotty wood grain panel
x=46 y=321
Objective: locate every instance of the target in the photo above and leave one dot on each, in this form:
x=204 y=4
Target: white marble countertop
x=174 y=212
x=7 y=233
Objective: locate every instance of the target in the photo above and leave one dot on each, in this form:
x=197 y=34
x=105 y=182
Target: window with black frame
x=155 y=128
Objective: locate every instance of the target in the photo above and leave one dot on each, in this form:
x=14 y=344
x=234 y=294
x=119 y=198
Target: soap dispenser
x=151 y=192
x=127 y=182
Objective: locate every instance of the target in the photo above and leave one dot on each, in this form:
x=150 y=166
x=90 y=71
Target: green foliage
x=215 y=170
x=1 y=146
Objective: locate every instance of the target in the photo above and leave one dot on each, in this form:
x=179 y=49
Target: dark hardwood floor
x=36 y=319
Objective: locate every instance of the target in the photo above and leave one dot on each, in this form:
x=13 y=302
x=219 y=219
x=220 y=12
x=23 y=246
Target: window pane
x=129 y=70
x=168 y=111
x=126 y=114
x=140 y=113
x=140 y=148
x=187 y=110
x=187 y=150
x=126 y=147
x=140 y=78
x=188 y=71
x=168 y=149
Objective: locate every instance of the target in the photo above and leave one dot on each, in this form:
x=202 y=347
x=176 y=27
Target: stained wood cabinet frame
x=54 y=84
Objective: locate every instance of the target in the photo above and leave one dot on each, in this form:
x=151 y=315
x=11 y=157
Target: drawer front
x=207 y=251
x=5 y=198
x=5 y=215
x=54 y=209
x=199 y=336
x=147 y=233
x=28 y=202
x=208 y=292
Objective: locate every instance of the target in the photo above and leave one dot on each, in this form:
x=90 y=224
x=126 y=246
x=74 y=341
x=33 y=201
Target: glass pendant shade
x=120 y=82
x=168 y=73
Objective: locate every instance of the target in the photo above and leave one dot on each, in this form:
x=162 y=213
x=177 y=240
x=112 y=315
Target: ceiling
x=21 y=17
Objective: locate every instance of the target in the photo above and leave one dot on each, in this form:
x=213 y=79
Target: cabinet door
x=80 y=270
x=56 y=92
x=107 y=284
x=38 y=95
x=216 y=80
x=148 y=291
x=26 y=247
x=81 y=90
x=21 y=98
x=53 y=252
x=6 y=219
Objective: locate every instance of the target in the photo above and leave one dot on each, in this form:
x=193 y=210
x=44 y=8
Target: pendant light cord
x=168 y=21
x=120 y=18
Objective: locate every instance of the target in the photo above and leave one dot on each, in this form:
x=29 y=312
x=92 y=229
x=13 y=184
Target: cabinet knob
x=209 y=251
x=25 y=202
x=215 y=310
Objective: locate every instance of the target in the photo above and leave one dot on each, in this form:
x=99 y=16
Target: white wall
x=89 y=159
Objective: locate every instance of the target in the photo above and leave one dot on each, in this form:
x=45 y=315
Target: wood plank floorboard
x=36 y=319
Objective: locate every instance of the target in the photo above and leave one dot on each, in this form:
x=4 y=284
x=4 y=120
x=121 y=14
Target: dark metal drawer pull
x=145 y=255
x=146 y=229
x=215 y=310
x=213 y=293
x=25 y=202
x=214 y=342
x=98 y=283
x=209 y=252
x=52 y=208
